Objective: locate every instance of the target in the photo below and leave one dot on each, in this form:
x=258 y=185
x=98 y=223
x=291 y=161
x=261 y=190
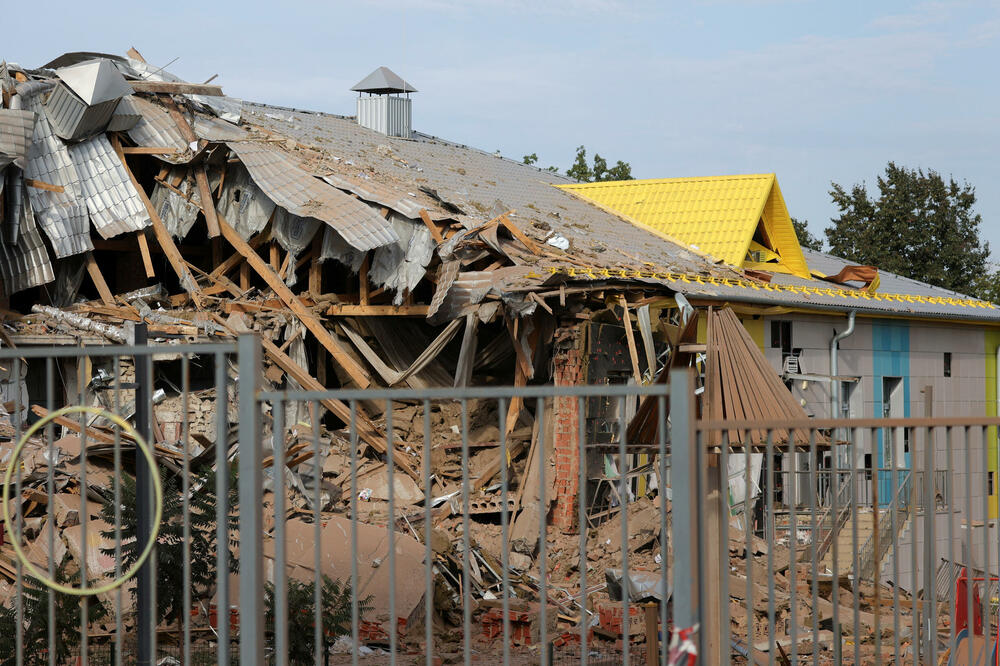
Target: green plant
x=336 y=615
x=170 y=539
x=35 y=611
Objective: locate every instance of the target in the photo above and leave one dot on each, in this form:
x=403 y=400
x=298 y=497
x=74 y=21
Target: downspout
x=834 y=372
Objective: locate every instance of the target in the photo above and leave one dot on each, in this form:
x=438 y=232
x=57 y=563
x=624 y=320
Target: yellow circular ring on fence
x=147 y=452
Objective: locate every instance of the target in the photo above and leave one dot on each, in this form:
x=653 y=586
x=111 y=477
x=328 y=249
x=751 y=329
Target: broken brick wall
x=569 y=369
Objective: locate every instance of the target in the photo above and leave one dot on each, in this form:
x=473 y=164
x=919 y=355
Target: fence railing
x=296 y=526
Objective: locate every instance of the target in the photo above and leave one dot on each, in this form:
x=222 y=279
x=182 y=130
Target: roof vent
x=380 y=106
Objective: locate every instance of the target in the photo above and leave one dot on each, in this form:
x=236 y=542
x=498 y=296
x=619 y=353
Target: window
x=868 y=467
x=989 y=483
x=781 y=336
x=947 y=364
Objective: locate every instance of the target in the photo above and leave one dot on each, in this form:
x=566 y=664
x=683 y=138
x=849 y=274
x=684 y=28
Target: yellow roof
x=718 y=215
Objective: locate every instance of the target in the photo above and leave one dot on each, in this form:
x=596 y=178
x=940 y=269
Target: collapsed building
x=367 y=254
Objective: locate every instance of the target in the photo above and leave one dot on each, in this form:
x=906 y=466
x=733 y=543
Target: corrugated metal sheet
x=717 y=215
x=26 y=263
x=177 y=212
x=73 y=119
x=401 y=266
x=386 y=115
x=213 y=129
x=61 y=215
x=479 y=183
x=125 y=116
x=157 y=129
x=301 y=194
x=391 y=199
x=294 y=234
x=242 y=203
x=16 y=128
x=114 y=205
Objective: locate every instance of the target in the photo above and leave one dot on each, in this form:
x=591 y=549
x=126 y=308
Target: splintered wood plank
x=207 y=202
x=147 y=260
x=519 y=235
x=98 y=278
x=236 y=259
x=349 y=310
x=630 y=338
x=293 y=303
x=365 y=428
x=162 y=235
x=176 y=88
x=148 y=150
x=429 y=223
x=42 y=185
x=316 y=268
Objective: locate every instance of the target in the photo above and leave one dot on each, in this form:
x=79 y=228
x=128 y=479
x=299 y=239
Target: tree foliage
x=920 y=226
x=335 y=598
x=806 y=237
x=170 y=540
x=35 y=611
x=599 y=171
x=533 y=158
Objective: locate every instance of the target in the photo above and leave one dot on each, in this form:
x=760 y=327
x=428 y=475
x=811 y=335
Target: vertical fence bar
x=581 y=497
x=968 y=539
x=222 y=509
x=661 y=429
x=855 y=563
x=146 y=578
x=684 y=480
x=428 y=530
x=987 y=584
x=117 y=491
x=876 y=549
x=623 y=505
x=769 y=522
x=390 y=466
x=318 y=549
x=81 y=368
x=280 y=612
x=894 y=478
x=50 y=404
x=505 y=518
x=720 y=550
x=950 y=466
x=185 y=508
x=793 y=541
x=930 y=547
x=814 y=567
x=466 y=545
x=838 y=639
x=915 y=485
x=355 y=579
x=748 y=536
x=251 y=515
x=19 y=530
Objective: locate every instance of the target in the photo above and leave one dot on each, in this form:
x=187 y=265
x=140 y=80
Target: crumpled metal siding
x=114 y=204
x=61 y=215
x=26 y=263
x=16 y=128
x=294 y=234
x=178 y=213
x=213 y=129
x=73 y=119
x=298 y=192
x=336 y=248
x=244 y=205
x=125 y=116
x=373 y=192
x=157 y=129
x=401 y=266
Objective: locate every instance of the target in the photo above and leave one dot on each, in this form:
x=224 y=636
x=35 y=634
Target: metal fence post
x=251 y=514
x=685 y=477
x=143 y=501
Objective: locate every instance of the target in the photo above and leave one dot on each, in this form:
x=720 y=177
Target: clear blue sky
x=814 y=91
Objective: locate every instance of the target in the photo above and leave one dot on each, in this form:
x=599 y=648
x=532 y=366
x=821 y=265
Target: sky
x=814 y=91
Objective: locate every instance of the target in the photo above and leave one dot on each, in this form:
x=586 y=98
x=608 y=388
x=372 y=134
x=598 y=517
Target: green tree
x=530 y=159
x=170 y=540
x=920 y=226
x=585 y=173
x=806 y=238
x=35 y=609
x=335 y=598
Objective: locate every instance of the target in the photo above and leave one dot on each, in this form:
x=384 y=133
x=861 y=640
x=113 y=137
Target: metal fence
x=762 y=539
